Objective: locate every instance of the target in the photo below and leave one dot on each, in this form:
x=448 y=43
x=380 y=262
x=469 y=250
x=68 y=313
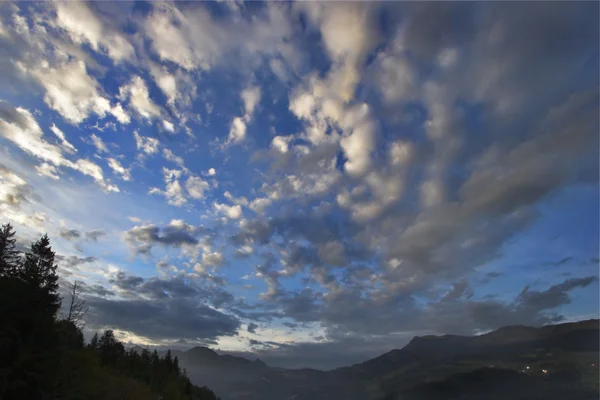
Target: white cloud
x=71 y=91
x=360 y=143
x=89 y=168
x=20 y=127
x=47 y=170
x=259 y=205
x=250 y=97
x=211 y=172
x=281 y=143
x=196 y=187
x=173 y=189
x=84 y=27
x=168 y=125
x=194 y=40
x=237 y=132
x=120 y=114
x=232 y=212
x=214 y=259
x=166 y=82
x=68 y=147
x=139 y=98
x=124 y=173
x=170 y=156
x=146 y=144
x=99 y=144
x=243 y=201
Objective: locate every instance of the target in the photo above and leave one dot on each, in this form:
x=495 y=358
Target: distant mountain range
x=514 y=362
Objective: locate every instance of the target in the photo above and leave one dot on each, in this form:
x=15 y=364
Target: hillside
x=565 y=350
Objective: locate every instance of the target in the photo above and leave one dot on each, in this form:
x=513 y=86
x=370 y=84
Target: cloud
x=20 y=127
x=69 y=265
x=95 y=235
x=177 y=233
x=147 y=145
x=174 y=192
x=83 y=26
x=399 y=162
x=250 y=97
x=233 y=212
x=242 y=201
x=14 y=190
x=72 y=92
x=196 y=187
x=190 y=37
x=164 y=309
x=139 y=98
x=99 y=144
x=173 y=317
x=70 y=234
x=115 y=165
x=76 y=235
x=259 y=205
x=68 y=147
x=170 y=156
x=237 y=132
x=168 y=125
x=214 y=259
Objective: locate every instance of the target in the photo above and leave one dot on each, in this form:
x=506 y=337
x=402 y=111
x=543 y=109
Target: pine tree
x=39 y=272
x=9 y=255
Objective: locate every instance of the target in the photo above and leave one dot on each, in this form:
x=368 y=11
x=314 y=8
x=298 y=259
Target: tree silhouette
x=9 y=255
x=77 y=308
x=43 y=358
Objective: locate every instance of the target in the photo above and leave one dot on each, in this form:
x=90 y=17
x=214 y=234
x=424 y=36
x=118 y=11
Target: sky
x=309 y=183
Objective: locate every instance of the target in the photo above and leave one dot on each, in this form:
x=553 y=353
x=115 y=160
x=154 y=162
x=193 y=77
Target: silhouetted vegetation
x=44 y=357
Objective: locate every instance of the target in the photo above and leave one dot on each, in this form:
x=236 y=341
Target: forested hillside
x=43 y=355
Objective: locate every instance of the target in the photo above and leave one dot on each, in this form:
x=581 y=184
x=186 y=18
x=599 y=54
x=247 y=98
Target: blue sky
x=312 y=183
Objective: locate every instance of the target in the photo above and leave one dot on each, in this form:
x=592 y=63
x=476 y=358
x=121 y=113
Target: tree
x=9 y=255
x=77 y=308
x=39 y=272
x=94 y=341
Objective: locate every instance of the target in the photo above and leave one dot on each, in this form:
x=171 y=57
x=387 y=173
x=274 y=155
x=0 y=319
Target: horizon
x=310 y=182
x=248 y=355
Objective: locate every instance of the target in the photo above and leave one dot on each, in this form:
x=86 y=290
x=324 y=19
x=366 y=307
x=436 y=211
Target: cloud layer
x=299 y=179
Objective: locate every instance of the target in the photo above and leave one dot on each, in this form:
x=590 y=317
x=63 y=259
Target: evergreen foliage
x=43 y=357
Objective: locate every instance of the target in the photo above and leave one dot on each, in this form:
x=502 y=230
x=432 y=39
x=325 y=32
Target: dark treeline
x=43 y=356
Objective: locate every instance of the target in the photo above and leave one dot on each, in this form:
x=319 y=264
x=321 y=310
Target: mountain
x=498 y=384
x=427 y=366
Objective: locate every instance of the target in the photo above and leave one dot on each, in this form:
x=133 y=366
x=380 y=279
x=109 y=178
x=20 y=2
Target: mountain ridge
x=424 y=359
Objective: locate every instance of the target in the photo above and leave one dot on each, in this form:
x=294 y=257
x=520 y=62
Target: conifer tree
x=9 y=255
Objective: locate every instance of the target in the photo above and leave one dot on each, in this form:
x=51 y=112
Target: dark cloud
x=252 y=327
x=97 y=290
x=553 y=297
x=74 y=261
x=70 y=234
x=68 y=265
x=171 y=318
x=76 y=235
x=94 y=235
x=161 y=309
x=560 y=262
x=142 y=238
